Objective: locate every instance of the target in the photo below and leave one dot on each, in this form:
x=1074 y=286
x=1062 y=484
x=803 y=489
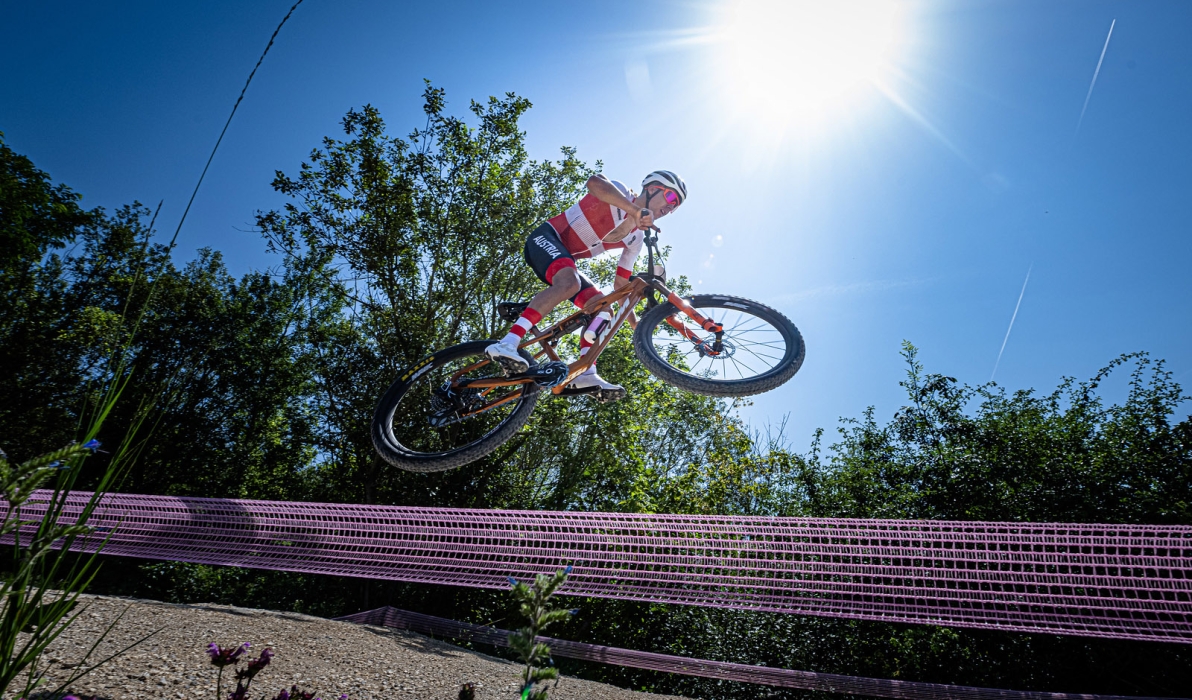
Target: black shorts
x=546 y=255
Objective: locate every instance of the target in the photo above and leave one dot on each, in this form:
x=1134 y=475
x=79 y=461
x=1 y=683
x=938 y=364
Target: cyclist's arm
x=601 y=188
x=633 y=248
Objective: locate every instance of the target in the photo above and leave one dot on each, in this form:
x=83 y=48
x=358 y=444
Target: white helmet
x=669 y=180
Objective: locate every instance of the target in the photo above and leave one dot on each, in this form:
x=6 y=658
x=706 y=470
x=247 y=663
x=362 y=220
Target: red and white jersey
x=584 y=225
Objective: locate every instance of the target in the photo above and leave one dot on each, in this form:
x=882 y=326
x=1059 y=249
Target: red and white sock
x=518 y=332
x=584 y=347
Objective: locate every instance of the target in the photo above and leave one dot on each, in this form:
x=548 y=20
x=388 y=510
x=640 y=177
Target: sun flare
x=791 y=60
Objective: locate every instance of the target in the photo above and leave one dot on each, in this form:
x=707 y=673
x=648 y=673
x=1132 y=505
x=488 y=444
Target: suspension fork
x=685 y=308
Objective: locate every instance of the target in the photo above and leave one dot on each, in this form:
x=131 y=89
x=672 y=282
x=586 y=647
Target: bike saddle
x=511 y=310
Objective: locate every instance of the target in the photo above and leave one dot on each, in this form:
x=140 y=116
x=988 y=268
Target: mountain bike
x=456 y=406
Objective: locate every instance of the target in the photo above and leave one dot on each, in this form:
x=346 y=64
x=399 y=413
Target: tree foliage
x=977 y=453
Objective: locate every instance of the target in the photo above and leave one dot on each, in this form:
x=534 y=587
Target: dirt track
x=325 y=656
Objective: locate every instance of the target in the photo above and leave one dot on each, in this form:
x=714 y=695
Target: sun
x=793 y=60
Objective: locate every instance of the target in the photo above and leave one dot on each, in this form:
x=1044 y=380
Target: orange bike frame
x=626 y=298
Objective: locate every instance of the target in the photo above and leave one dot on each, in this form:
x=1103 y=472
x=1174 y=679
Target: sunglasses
x=672 y=197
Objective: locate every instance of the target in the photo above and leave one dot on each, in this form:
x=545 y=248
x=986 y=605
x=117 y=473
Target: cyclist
x=608 y=218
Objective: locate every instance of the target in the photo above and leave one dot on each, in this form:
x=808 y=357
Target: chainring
x=549 y=375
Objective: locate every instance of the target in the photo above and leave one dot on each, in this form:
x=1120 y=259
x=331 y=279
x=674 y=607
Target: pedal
x=599 y=395
x=586 y=391
x=511 y=310
x=549 y=375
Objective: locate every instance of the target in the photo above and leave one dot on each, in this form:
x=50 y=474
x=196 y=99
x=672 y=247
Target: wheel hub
x=727 y=349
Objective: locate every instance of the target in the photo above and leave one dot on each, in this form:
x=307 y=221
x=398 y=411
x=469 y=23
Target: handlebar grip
x=647 y=212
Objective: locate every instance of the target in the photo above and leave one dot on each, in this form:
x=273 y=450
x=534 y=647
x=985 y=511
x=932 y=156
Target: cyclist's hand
x=645 y=219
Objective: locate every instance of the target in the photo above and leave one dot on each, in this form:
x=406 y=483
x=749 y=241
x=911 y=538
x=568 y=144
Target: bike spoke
x=750 y=346
x=738 y=363
x=760 y=357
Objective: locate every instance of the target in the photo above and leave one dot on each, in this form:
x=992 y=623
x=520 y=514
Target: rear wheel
x=759 y=350
x=421 y=426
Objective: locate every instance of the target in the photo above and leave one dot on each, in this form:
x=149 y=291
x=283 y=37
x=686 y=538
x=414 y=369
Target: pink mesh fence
x=1117 y=581
x=759 y=675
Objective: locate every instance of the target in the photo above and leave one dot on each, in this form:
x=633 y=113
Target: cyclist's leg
x=553 y=264
x=589 y=379
x=548 y=257
x=563 y=280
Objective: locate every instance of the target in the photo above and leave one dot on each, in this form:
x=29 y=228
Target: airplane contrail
x=1095 y=74
x=999 y=352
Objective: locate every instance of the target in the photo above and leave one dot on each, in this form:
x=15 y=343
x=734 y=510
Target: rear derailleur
x=448 y=405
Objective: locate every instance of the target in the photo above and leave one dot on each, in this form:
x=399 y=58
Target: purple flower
x=255 y=665
x=567 y=571
x=226 y=656
x=92 y=445
x=512 y=581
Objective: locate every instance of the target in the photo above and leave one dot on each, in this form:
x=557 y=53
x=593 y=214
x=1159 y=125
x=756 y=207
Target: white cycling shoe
x=603 y=390
x=507 y=356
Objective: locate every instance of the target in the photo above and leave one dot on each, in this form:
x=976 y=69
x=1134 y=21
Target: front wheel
x=759 y=350
x=423 y=425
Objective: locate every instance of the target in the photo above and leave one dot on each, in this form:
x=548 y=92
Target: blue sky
x=911 y=205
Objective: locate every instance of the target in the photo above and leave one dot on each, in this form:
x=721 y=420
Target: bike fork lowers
x=686 y=309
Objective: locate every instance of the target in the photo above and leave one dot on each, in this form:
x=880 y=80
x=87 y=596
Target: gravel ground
x=319 y=655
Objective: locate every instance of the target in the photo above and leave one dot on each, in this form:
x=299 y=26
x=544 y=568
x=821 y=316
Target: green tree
x=39 y=384
x=425 y=234
x=393 y=247
x=978 y=453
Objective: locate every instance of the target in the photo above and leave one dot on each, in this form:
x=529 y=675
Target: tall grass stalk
x=39 y=598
